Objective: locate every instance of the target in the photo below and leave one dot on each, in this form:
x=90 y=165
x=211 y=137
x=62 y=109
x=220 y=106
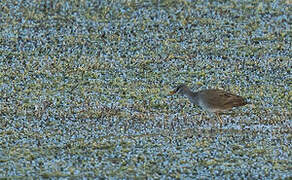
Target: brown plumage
x=212 y=100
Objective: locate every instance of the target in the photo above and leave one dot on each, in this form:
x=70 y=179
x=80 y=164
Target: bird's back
x=215 y=100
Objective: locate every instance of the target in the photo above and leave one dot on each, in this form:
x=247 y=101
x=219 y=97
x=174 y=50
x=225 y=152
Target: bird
x=211 y=100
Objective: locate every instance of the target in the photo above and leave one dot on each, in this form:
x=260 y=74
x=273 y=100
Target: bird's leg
x=221 y=122
x=201 y=117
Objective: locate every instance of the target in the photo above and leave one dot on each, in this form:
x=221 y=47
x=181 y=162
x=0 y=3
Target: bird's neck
x=192 y=96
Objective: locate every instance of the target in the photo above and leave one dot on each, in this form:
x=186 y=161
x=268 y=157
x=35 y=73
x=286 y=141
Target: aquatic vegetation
x=84 y=89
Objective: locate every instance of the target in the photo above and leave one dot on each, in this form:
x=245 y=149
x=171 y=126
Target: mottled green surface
x=84 y=89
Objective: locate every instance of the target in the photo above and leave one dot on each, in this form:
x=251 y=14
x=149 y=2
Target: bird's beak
x=172 y=92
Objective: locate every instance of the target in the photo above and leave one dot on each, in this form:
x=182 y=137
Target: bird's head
x=181 y=89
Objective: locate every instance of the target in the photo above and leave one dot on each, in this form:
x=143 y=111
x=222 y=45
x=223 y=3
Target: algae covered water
x=85 y=89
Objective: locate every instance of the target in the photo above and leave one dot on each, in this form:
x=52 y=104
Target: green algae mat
x=84 y=89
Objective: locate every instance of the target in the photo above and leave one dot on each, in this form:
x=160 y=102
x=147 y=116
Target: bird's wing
x=220 y=99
